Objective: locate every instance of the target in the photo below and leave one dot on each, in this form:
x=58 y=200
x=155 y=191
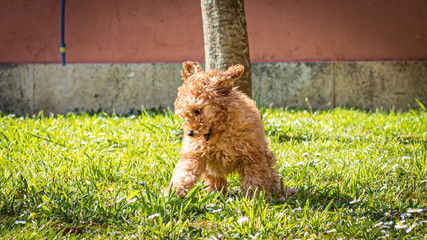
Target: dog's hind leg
x=262 y=176
x=254 y=177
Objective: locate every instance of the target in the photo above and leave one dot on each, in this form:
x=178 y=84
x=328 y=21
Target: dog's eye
x=197 y=111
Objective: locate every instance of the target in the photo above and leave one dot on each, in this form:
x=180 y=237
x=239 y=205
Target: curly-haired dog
x=223 y=133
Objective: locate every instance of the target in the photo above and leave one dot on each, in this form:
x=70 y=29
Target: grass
x=360 y=175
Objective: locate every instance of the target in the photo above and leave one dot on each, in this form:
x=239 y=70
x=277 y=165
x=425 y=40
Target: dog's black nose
x=190 y=133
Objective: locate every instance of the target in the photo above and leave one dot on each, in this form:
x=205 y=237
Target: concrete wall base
x=28 y=89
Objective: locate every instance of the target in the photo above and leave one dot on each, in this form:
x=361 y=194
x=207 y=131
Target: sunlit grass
x=359 y=175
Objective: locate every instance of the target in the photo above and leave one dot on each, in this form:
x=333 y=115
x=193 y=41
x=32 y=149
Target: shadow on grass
x=320 y=197
x=402 y=139
x=334 y=201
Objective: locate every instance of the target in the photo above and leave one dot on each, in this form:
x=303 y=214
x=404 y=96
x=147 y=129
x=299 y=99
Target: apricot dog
x=223 y=133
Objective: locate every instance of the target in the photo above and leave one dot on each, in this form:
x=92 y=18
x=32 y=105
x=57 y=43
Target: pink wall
x=313 y=30
x=101 y=31
x=114 y=31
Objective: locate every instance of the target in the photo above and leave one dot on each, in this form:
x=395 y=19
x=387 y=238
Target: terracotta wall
x=141 y=31
x=313 y=30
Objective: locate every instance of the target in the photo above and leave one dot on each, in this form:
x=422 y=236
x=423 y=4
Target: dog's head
x=202 y=97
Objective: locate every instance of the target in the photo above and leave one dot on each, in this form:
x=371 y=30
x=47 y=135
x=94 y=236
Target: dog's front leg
x=215 y=183
x=185 y=175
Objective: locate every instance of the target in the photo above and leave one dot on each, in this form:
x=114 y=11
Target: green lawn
x=360 y=175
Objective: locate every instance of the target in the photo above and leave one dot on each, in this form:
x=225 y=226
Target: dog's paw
x=291 y=191
x=287 y=193
x=165 y=192
x=180 y=192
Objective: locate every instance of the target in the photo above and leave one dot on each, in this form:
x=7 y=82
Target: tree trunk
x=226 y=38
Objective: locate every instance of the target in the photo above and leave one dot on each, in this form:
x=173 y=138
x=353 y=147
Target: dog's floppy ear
x=228 y=77
x=190 y=68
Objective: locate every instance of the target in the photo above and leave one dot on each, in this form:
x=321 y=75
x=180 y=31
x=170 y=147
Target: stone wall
x=363 y=85
x=28 y=89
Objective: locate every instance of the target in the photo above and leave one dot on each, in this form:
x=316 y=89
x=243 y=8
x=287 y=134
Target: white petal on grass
x=20 y=222
x=378 y=224
x=400 y=225
x=410 y=228
x=386 y=234
x=331 y=231
x=217 y=210
x=405 y=215
x=296 y=209
x=328 y=224
x=312 y=236
x=389 y=223
x=229 y=200
x=387 y=214
x=355 y=201
x=153 y=216
x=424 y=181
x=132 y=200
x=242 y=220
x=210 y=205
x=281 y=214
x=414 y=210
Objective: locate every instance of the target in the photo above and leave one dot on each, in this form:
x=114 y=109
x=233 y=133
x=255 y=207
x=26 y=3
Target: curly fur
x=223 y=133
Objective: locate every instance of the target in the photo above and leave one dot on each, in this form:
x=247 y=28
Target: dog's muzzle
x=207 y=135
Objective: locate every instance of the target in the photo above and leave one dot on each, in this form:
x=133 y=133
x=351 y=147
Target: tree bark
x=226 y=38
